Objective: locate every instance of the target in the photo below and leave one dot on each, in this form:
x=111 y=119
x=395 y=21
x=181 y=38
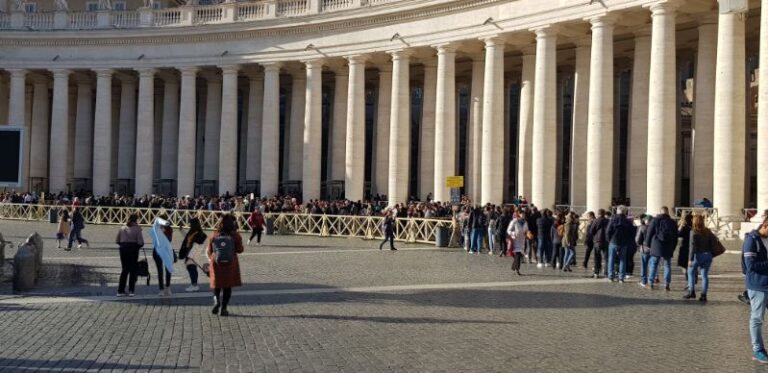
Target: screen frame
x=23 y=139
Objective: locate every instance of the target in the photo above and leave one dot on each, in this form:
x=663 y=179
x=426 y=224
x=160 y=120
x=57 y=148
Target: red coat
x=225 y=275
x=256 y=222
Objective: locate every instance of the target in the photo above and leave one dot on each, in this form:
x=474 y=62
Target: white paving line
x=30 y=300
x=262 y=253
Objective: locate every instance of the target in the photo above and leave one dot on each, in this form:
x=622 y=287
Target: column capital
x=61 y=73
x=210 y=76
x=146 y=72
x=104 y=73
x=401 y=54
x=477 y=57
x=17 y=72
x=357 y=59
x=271 y=66
x=602 y=20
x=493 y=41
x=188 y=71
x=643 y=31
x=38 y=79
x=445 y=48
x=547 y=31
x=229 y=69
x=663 y=7
x=313 y=64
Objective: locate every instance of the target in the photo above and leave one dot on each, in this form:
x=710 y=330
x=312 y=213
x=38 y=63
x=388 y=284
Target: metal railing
x=366 y=227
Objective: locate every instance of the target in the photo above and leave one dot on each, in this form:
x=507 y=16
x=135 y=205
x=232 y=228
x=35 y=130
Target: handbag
x=529 y=235
x=717 y=247
x=142 y=267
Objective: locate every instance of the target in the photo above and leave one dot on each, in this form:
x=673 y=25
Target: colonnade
x=718 y=161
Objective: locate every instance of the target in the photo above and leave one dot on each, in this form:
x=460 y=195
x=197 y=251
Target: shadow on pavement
x=387 y=320
x=33 y=365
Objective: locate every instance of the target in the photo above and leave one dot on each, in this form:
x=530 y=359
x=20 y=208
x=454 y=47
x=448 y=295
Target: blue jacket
x=661 y=245
x=755 y=262
x=620 y=231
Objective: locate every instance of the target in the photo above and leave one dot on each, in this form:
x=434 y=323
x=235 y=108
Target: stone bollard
x=24 y=271
x=37 y=246
x=2 y=249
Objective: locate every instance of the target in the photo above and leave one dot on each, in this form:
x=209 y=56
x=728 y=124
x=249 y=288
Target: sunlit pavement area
x=341 y=305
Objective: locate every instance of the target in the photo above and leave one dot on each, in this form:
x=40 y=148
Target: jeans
x=530 y=249
x=654 y=267
x=160 y=269
x=388 y=236
x=545 y=248
x=644 y=259
x=491 y=239
x=76 y=233
x=599 y=253
x=703 y=261
x=569 y=253
x=557 y=254
x=757 y=303
x=613 y=252
x=129 y=257
x=477 y=240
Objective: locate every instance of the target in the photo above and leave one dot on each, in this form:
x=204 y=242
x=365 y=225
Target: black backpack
x=666 y=232
x=224 y=249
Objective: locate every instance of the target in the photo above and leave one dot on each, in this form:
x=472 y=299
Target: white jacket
x=517 y=232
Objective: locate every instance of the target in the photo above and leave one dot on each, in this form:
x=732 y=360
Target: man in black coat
x=597 y=230
x=620 y=232
x=661 y=238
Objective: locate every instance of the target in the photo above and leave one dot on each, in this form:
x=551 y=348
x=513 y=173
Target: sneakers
x=760 y=357
x=131 y=295
x=703 y=298
x=161 y=293
x=642 y=285
x=691 y=295
x=192 y=288
x=215 y=309
x=667 y=288
x=627 y=277
x=595 y=275
x=539 y=265
x=168 y=291
x=224 y=312
x=79 y=246
x=120 y=295
x=743 y=298
x=249 y=243
x=546 y=265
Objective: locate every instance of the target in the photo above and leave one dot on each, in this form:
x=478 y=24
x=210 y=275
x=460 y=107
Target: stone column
x=270 y=150
x=59 y=128
x=475 y=129
x=126 y=149
x=185 y=179
x=525 y=130
x=580 y=124
x=762 y=114
x=544 y=154
x=296 y=129
x=445 y=121
x=228 y=135
x=400 y=128
x=145 y=132
x=702 y=158
x=491 y=188
x=212 y=128
x=600 y=117
x=17 y=97
x=381 y=173
x=313 y=131
x=638 y=121
x=102 y=134
x=354 y=180
x=84 y=130
x=255 y=115
x=729 y=126
x=170 y=138
x=426 y=180
x=662 y=108
x=338 y=140
x=38 y=150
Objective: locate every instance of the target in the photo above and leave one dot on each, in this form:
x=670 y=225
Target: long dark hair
x=226 y=224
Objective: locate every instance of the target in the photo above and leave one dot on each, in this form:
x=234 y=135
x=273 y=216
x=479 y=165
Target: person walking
x=755 y=267
x=478 y=224
x=570 y=238
x=195 y=236
x=76 y=233
x=129 y=240
x=597 y=230
x=661 y=237
x=256 y=223
x=645 y=251
x=702 y=243
x=517 y=232
x=503 y=230
x=619 y=234
x=388 y=228
x=163 y=274
x=223 y=249
x=64 y=229
x=684 y=234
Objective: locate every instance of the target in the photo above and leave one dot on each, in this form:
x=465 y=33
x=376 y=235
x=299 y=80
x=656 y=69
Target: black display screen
x=10 y=145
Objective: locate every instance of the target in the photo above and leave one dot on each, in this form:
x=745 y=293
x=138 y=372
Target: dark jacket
x=544 y=227
x=388 y=225
x=78 y=222
x=683 y=254
x=532 y=223
x=597 y=229
x=588 y=236
x=477 y=220
x=503 y=223
x=700 y=243
x=640 y=239
x=755 y=262
x=620 y=231
x=661 y=236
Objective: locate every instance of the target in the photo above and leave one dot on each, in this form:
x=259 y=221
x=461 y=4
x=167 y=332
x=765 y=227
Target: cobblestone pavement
x=341 y=305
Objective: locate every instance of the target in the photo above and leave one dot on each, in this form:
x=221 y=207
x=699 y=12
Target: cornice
x=241 y=31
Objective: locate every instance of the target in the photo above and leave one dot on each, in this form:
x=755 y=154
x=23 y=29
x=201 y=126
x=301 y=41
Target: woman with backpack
x=222 y=252
x=256 y=222
x=702 y=243
x=195 y=236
